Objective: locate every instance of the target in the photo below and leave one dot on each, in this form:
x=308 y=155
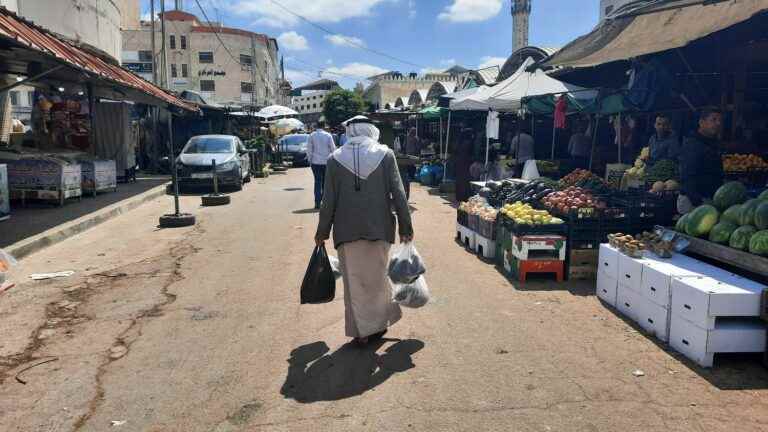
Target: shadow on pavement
x=306 y=211
x=38 y=217
x=349 y=371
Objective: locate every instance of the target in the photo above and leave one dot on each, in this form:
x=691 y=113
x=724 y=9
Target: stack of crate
x=699 y=309
x=536 y=253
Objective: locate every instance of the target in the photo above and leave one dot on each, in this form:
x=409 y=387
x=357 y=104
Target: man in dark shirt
x=664 y=143
x=701 y=168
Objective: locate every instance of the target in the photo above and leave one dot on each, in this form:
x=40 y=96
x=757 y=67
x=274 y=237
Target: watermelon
x=681 y=223
x=721 y=232
x=701 y=220
x=732 y=215
x=763 y=196
x=740 y=238
x=729 y=194
x=747 y=214
x=761 y=215
x=758 y=244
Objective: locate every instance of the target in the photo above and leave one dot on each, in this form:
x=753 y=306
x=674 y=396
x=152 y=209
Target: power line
x=325 y=70
x=348 y=40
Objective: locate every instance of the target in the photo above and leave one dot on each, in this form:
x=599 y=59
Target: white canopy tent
x=276 y=111
x=508 y=94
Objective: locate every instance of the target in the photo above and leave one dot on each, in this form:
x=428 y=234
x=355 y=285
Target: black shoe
x=377 y=336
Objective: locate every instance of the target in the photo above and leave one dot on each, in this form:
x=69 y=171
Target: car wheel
x=239 y=185
x=215 y=200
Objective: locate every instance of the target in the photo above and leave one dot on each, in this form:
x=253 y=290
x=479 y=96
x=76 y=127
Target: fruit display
x=662 y=171
x=761 y=215
x=729 y=194
x=571 y=199
x=637 y=171
x=741 y=237
x=758 y=243
x=524 y=214
x=545 y=166
x=721 y=232
x=744 y=162
x=479 y=207
x=670 y=185
x=747 y=213
x=507 y=192
x=656 y=244
x=763 y=196
x=701 y=220
x=627 y=244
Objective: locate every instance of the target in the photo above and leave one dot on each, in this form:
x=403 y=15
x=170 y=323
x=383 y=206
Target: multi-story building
x=309 y=100
x=386 y=89
x=92 y=24
x=227 y=66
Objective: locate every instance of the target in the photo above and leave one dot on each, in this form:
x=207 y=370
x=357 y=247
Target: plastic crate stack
x=526 y=249
x=476 y=234
x=699 y=309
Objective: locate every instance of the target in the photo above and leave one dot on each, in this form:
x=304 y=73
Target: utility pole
x=253 y=71
x=154 y=51
x=164 y=51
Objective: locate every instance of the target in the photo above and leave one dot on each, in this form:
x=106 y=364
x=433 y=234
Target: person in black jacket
x=701 y=168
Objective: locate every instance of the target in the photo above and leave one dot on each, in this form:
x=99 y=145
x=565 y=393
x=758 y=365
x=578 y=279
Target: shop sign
x=180 y=82
x=211 y=72
x=138 y=67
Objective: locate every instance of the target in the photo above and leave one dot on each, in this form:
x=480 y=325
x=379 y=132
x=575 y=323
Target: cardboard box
x=728 y=336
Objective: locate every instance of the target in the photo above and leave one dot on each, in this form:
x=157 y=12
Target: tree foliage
x=342 y=104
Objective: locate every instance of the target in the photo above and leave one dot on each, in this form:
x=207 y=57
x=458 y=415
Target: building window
x=14 y=98
x=31 y=97
x=205 y=56
x=246 y=87
x=314 y=105
x=246 y=60
x=173 y=41
x=184 y=70
x=174 y=71
x=183 y=42
x=207 y=85
x=145 y=56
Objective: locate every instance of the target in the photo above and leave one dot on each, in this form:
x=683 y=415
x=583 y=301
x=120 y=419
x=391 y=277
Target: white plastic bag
x=335 y=266
x=530 y=170
x=6 y=262
x=405 y=264
x=414 y=295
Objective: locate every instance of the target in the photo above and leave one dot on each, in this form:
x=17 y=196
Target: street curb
x=55 y=235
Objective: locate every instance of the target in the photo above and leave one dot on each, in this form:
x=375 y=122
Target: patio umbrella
x=276 y=111
x=285 y=126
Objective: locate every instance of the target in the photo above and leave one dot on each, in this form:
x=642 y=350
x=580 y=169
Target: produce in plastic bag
x=405 y=264
x=335 y=266
x=6 y=262
x=414 y=295
x=319 y=285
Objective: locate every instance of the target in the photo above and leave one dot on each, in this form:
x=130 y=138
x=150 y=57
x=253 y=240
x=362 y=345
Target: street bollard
x=215 y=199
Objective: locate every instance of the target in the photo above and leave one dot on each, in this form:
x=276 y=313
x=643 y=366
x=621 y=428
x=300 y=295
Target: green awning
x=432 y=113
x=605 y=104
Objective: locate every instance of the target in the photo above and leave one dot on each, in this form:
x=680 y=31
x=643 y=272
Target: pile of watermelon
x=732 y=219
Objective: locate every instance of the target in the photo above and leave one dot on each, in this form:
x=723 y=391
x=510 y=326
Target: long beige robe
x=368 y=301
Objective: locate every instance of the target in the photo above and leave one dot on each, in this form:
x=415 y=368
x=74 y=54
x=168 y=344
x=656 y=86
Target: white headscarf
x=362 y=153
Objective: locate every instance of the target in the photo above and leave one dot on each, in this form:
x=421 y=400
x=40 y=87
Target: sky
x=402 y=35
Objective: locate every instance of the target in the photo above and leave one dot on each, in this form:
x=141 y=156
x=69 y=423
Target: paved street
x=200 y=329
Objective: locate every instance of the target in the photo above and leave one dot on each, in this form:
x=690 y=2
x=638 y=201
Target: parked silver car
x=294 y=149
x=232 y=161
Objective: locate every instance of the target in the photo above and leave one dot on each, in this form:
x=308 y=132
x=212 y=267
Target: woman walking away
x=361 y=184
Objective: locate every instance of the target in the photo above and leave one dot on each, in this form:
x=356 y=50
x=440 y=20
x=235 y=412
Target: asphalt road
x=200 y=329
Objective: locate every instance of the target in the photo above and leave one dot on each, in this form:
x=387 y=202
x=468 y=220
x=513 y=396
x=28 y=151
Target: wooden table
x=740 y=259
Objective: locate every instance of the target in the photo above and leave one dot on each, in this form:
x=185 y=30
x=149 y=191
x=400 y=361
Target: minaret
x=521 y=12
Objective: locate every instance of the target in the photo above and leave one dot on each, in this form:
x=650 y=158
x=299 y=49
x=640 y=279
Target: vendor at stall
x=701 y=168
x=521 y=148
x=664 y=143
x=580 y=147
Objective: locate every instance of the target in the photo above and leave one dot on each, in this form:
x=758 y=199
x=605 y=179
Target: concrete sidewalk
x=39 y=225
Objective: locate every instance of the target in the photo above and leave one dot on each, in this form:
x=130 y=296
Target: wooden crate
x=582 y=272
x=583 y=257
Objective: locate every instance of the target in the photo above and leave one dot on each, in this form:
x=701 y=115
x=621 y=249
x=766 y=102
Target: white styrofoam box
x=630 y=271
x=657 y=277
x=606 y=288
x=730 y=335
x=627 y=301
x=466 y=236
x=609 y=260
x=485 y=247
x=652 y=317
x=701 y=300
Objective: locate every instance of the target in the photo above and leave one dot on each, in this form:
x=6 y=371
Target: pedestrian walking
x=361 y=186
x=319 y=148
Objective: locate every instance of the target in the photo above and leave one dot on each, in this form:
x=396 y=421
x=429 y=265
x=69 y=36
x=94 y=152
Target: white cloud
x=488 y=61
x=361 y=70
x=448 y=62
x=292 y=41
x=429 y=70
x=348 y=41
x=297 y=77
x=411 y=9
x=470 y=10
x=267 y=12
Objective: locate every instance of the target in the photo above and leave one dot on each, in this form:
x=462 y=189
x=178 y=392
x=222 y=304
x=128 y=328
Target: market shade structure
x=432 y=113
x=509 y=94
x=275 y=111
x=657 y=27
x=285 y=126
x=31 y=50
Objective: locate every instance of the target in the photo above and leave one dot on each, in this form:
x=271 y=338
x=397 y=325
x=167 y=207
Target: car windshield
x=295 y=140
x=209 y=145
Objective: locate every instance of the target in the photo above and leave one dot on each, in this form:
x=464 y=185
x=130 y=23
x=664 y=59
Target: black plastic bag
x=319 y=285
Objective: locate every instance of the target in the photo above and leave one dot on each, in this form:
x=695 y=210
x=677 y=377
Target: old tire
x=177 y=221
x=215 y=200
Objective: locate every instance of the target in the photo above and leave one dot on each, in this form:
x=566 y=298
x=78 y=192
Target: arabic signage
x=138 y=68
x=211 y=72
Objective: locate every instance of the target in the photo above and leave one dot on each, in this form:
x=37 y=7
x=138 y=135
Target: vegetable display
x=585 y=179
x=729 y=194
x=509 y=192
x=743 y=162
x=758 y=243
x=740 y=238
x=701 y=220
x=524 y=214
x=662 y=171
x=570 y=199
